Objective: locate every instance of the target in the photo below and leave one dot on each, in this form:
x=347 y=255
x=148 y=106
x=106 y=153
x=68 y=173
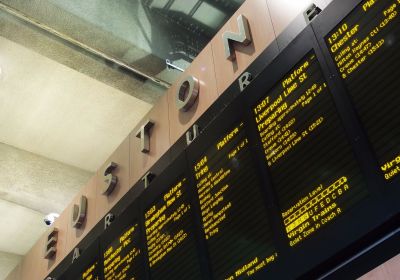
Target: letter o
x=187 y=93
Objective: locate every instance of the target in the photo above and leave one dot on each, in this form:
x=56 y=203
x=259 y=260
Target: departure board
x=171 y=243
x=313 y=170
x=235 y=222
x=91 y=273
x=365 y=47
x=122 y=259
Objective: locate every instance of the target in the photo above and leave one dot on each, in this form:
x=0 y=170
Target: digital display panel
x=235 y=222
x=311 y=164
x=91 y=273
x=171 y=243
x=122 y=259
x=365 y=47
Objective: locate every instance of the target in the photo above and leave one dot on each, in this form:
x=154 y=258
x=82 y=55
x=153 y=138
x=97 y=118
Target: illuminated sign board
x=279 y=181
x=122 y=258
x=84 y=263
x=91 y=272
x=169 y=227
x=233 y=208
x=313 y=170
x=365 y=47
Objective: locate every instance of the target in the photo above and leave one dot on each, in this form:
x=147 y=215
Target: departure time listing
x=122 y=257
x=365 y=48
x=235 y=222
x=169 y=231
x=312 y=166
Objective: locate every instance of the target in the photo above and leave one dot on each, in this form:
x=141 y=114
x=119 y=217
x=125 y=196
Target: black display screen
x=171 y=244
x=365 y=47
x=312 y=166
x=91 y=272
x=234 y=215
x=122 y=259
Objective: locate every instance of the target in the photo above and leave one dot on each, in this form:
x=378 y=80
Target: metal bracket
x=171 y=66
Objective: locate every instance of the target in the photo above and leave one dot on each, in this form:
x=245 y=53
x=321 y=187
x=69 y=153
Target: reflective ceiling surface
x=147 y=35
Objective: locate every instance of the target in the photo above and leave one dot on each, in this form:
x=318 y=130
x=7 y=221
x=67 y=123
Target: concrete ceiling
x=56 y=49
x=31 y=186
x=50 y=110
x=37 y=183
x=57 y=126
x=8 y=261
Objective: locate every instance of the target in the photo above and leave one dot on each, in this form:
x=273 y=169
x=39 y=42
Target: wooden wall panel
x=257 y=13
x=74 y=235
x=15 y=274
x=390 y=270
x=202 y=68
x=62 y=226
x=33 y=265
x=159 y=141
x=121 y=158
x=283 y=12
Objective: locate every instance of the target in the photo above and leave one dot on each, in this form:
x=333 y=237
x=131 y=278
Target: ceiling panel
x=36 y=182
x=59 y=113
x=24 y=227
x=141 y=30
x=7 y=263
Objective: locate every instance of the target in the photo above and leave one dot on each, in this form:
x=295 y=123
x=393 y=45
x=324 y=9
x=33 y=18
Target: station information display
x=172 y=251
x=122 y=259
x=91 y=273
x=365 y=47
x=235 y=222
x=276 y=174
x=312 y=166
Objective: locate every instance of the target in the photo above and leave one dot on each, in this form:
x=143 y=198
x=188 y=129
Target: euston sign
x=185 y=97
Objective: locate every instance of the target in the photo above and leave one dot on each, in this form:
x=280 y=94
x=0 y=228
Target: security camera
x=50 y=218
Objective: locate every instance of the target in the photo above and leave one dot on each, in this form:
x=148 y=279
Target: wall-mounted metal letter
x=50 y=247
x=187 y=93
x=76 y=254
x=144 y=134
x=311 y=12
x=79 y=213
x=192 y=134
x=108 y=219
x=245 y=80
x=243 y=37
x=110 y=181
x=147 y=178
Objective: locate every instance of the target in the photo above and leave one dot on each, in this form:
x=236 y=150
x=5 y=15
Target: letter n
x=243 y=37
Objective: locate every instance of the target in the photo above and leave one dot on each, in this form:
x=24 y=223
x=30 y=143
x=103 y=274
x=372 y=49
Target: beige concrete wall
x=390 y=270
